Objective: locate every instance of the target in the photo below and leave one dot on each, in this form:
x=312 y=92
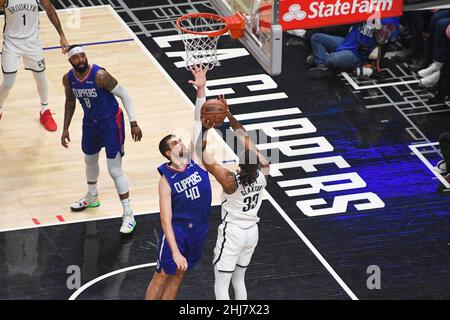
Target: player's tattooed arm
x=224 y=176
x=53 y=17
x=69 y=110
x=105 y=80
x=248 y=144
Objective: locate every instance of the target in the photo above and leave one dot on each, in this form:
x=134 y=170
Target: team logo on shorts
x=41 y=63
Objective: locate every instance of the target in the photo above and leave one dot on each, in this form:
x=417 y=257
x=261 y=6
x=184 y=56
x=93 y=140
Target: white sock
x=238 y=281
x=92 y=189
x=126 y=204
x=222 y=284
x=42 y=86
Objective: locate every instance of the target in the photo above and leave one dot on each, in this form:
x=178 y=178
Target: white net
x=201 y=49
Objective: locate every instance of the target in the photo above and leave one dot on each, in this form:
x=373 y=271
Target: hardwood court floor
x=39 y=179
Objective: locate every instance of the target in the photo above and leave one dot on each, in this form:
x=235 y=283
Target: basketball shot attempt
x=21 y=41
x=237 y=236
x=185 y=203
x=103 y=126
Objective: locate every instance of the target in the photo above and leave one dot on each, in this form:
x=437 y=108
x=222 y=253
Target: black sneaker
x=439 y=98
x=321 y=71
x=418 y=64
x=310 y=61
x=407 y=56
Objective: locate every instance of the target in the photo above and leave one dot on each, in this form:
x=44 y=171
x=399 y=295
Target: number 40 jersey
x=241 y=207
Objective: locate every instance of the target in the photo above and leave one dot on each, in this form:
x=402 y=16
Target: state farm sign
x=309 y=14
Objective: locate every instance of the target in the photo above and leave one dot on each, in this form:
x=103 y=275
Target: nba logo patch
x=41 y=63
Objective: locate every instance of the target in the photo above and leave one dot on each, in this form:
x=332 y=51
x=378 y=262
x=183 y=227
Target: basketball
x=213 y=111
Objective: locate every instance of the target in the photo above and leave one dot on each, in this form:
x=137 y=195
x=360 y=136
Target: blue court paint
x=93 y=43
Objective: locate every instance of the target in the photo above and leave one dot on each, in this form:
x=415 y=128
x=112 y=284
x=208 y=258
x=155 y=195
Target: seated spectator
x=441 y=94
x=340 y=30
x=415 y=26
x=436 y=48
x=335 y=54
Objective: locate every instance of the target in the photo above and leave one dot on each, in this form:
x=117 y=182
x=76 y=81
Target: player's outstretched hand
x=199 y=76
x=65 y=139
x=224 y=101
x=180 y=261
x=64 y=44
x=136 y=133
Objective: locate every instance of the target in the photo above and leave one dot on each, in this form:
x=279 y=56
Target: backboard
x=263 y=35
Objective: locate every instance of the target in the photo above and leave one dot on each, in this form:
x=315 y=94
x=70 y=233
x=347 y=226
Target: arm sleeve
x=197 y=134
x=120 y=92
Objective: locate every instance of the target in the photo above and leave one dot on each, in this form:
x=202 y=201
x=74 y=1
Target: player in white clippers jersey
x=241 y=199
x=21 y=41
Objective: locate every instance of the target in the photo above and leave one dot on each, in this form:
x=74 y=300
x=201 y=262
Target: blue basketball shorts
x=108 y=134
x=190 y=239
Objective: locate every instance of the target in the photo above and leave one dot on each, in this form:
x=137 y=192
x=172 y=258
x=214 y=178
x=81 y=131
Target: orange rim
x=207 y=16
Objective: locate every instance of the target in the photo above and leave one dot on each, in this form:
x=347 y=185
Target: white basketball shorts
x=29 y=50
x=234 y=246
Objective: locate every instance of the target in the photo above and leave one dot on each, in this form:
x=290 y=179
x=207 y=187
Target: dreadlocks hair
x=249 y=165
x=164 y=145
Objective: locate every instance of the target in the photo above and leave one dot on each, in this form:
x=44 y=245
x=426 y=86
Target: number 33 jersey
x=241 y=207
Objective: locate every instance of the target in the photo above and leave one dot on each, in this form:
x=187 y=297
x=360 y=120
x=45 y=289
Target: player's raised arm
x=53 y=17
x=108 y=82
x=248 y=144
x=200 y=83
x=225 y=177
x=165 y=208
x=69 y=111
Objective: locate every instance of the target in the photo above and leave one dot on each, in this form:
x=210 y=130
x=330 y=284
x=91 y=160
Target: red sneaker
x=47 y=121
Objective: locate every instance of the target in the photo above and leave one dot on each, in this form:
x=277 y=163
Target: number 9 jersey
x=241 y=207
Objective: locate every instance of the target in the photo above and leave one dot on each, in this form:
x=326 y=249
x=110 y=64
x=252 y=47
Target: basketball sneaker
x=47 y=120
x=441 y=167
x=433 y=68
x=431 y=80
x=128 y=223
x=89 y=201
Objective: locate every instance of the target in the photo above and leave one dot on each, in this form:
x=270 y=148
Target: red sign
x=310 y=14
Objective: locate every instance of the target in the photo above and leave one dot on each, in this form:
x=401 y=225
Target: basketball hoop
x=201 y=33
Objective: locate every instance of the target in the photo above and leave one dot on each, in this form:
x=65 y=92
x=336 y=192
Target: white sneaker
x=434 y=67
x=89 y=201
x=128 y=223
x=297 y=32
x=431 y=80
x=441 y=167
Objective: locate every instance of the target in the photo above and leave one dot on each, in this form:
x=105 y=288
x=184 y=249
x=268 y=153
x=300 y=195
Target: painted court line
x=110 y=274
x=93 y=43
x=415 y=149
x=381 y=85
x=269 y=197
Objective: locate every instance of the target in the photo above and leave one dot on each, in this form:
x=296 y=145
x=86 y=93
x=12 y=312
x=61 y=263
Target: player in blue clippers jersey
x=185 y=202
x=103 y=126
